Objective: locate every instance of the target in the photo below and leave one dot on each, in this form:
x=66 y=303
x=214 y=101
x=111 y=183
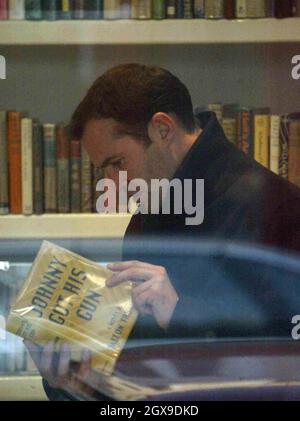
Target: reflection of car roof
x=209 y=370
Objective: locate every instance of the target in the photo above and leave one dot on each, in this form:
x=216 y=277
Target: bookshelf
x=133 y=32
x=23 y=387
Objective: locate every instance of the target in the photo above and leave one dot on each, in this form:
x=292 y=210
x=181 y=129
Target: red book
x=3 y=9
x=14 y=161
x=229 y=9
x=284 y=8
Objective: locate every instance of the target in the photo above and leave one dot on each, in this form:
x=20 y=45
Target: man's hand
x=153 y=294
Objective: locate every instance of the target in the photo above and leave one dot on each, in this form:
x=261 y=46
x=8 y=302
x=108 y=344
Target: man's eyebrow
x=108 y=160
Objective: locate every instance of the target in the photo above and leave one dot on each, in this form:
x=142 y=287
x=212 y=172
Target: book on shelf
x=261 y=138
x=214 y=9
x=75 y=170
x=14 y=161
x=50 y=192
x=294 y=149
x=63 y=169
x=3 y=165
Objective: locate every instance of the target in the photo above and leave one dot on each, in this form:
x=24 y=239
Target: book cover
x=111 y=9
x=14 y=161
x=214 y=9
x=16 y=9
x=3 y=165
x=283 y=9
x=284 y=146
x=158 y=9
x=65 y=299
x=33 y=9
x=199 y=9
x=262 y=139
x=274 y=143
x=3 y=9
x=294 y=149
x=27 y=173
x=49 y=148
x=65 y=9
x=75 y=176
x=86 y=181
x=93 y=9
x=173 y=8
x=38 y=167
x=63 y=169
x=49 y=10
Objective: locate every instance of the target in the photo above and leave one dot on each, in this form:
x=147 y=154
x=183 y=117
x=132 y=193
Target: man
x=140 y=119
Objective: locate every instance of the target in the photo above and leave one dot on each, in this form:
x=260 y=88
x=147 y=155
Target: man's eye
x=117 y=164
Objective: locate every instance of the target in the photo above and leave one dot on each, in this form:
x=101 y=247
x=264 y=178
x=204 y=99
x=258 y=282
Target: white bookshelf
x=64 y=226
x=126 y=32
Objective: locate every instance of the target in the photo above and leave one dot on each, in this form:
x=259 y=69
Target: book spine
x=111 y=9
x=3 y=166
x=284 y=146
x=274 y=143
x=283 y=9
x=75 y=155
x=199 y=9
x=86 y=181
x=270 y=8
x=125 y=9
x=3 y=9
x=214 y=9
x=65 y=9
x=188 y=9
x=297 y=8
x=294 y=152
x=33 y=9
x=79 y=9
x=26 y=154
x=172 y=6
x=63 y=170
x=217 y=108
x=229 y=9
x=38 y=176
x=229 y=127
x=261 y=139
x=158 y=9
x=14 y=161
x=241 y=9
x=49 y=10
x=16 y=9
x=49 y=168
x=256 y=9
x=244 y=132
x=93 y=9
x=141 y=9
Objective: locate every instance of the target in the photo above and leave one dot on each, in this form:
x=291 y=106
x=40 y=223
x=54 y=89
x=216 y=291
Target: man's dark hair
x=131 y=94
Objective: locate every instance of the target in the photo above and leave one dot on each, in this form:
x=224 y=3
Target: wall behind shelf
x=49 y=81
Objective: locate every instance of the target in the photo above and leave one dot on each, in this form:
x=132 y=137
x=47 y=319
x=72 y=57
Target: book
x=38 y=168
x=65 y=9
x=14 y=161
x=3 y=165
x=79 y=9
x=199 y=9
x=125 y=9
x=283 y=9
x=86 y=182
x=63 y=169
x=188 y=12
x=33 y=9
x=3 y=9
x=270 y=8
x=111 y=9
x=262 y=139
x=274 y=143
x=67 y=301
x=141 y=9
x=27 y=173
x=229 y=127
x=214 y=9
x=229 y=9
x=297 y=8
x=75 y=176
x=93 y=9
x=49 y=149
x=49 y=10
x=158 y=9
x=171 y=8
x=284 y=146
x=294 y=149
x=16 y=10
x=250 y=9
x=244 y=135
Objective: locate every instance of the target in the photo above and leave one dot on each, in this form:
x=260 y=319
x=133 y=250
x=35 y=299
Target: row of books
x=272 y=140
x=146 y=9
x=42 y=171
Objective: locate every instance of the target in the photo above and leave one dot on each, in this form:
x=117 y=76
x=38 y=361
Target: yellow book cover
x=64 y=298
x=262 y=139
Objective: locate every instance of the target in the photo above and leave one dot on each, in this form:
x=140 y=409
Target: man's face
x=114 y=154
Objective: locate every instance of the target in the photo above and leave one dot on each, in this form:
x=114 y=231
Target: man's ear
x=161 y=127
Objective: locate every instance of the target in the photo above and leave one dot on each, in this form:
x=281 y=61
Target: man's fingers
x=143 y=302
x=34 y=350
x=118 y=266
x=134 y=274
x=47 y=358
x=85 y=364
x=64 y=360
